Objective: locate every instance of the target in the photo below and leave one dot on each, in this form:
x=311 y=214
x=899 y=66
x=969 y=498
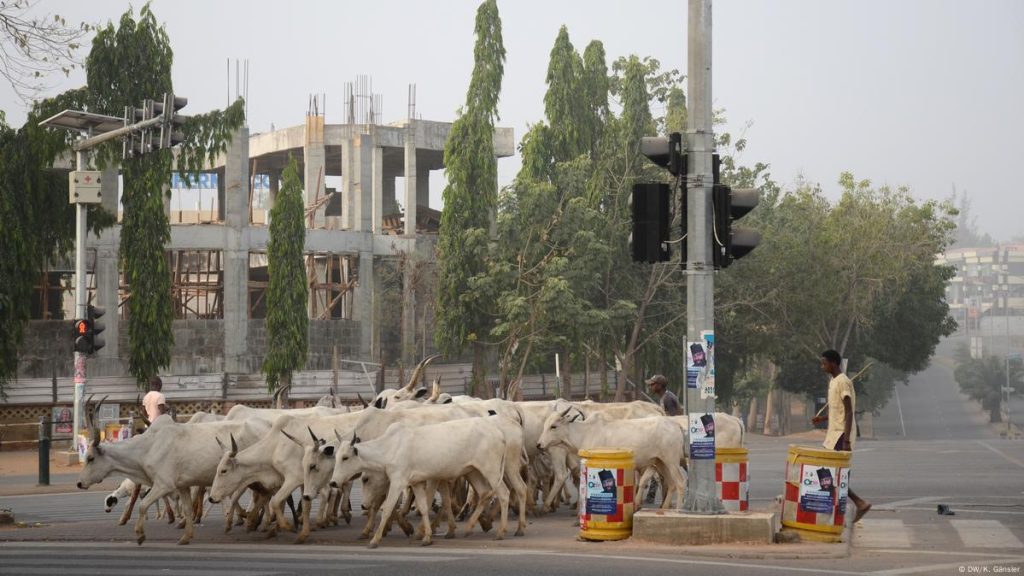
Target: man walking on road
x=154 y=401
x=658 y=385
x=842 y=400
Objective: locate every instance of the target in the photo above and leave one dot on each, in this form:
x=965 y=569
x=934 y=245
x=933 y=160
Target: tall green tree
x=982 y=380
x=470 y=198
x=127 y=63
x=566 y=102
x=288 y=292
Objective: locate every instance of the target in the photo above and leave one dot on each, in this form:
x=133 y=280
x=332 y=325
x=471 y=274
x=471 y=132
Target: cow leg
x=304 y=532
x=641 y=488
x=518 y=485
x=346 y=502
x=394 y=493
x=154 y=495
x=197 y=503
x=483 y=494
x=131 y=505
x=185 y=494
x=446 y=507
x=402 y=516
x=424 y=504
x=560 y=473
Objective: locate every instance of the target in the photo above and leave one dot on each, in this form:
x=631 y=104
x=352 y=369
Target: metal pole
x=701 y=497
x=81 y=304
x=44 y=451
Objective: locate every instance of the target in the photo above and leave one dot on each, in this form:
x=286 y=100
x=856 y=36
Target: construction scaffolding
x=332 y=281
x=197 y=283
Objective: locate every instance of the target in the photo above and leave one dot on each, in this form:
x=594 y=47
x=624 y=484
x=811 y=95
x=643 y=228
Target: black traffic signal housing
x=171 y=131
x=87 y=331
x=651 y=214
x=730 y=242
x=82 y=334
x=96 y=327
x=650 y=222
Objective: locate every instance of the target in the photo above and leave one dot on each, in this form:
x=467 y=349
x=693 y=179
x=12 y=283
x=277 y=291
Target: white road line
x=1009 y=459
x=899 y=407
x=985 y=534
x=876 y=533
x=904 y=503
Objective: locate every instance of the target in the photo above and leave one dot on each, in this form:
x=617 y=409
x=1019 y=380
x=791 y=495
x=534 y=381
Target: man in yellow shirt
x=842 y=400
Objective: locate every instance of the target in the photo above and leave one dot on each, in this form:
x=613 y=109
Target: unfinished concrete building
x=363 y=235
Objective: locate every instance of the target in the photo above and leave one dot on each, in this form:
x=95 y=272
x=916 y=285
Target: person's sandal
x=861 y=512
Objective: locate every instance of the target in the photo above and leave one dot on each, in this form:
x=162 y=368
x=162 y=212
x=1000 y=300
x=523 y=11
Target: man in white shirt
x=842 y=400
x=154 y=402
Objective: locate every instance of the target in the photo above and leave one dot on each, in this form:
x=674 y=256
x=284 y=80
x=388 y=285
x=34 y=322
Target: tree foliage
x=127 y=64
x=288 y=292
x=32 y=47
x=470 y=197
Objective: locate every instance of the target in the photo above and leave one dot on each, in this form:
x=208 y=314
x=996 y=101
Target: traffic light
x=171 y=133
x=650 y=222
x=83 y=336
x=651 y=201
x=96 y=326
x=665 y=152
x=87 y=331
x=732 y=242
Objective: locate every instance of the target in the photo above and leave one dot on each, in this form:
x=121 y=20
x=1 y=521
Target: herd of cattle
x=406 y=447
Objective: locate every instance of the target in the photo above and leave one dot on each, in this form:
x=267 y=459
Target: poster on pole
x=702 y=436
x=707 y=383
x=817 y=488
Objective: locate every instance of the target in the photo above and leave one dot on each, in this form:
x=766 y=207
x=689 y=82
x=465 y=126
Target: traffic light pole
x=701 y=497
x=81 y=303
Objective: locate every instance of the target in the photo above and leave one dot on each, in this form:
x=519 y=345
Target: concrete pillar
x=107 y=273
x=315 y=155
x=362 y=181
x=365 y=307
x=377 y=219
x=410 y=178
x=236 y=255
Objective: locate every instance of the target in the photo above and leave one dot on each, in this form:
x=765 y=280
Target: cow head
x=556 y=427
x=229 y=473
x=98 y=464
x=407 y=392
x=347 y=465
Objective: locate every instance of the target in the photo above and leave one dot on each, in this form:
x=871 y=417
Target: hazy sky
x=927 y=94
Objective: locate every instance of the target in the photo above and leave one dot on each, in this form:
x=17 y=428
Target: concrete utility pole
x=701 y=497
x=81 y=298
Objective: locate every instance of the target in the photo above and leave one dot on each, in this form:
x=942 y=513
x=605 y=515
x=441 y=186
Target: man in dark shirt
x=658 y=385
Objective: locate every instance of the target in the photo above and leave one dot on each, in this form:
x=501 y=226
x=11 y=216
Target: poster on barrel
x=822 y=488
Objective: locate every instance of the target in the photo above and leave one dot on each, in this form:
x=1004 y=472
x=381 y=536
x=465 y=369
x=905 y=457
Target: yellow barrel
x=817 y=484
x=606 y=494
x=732 y=478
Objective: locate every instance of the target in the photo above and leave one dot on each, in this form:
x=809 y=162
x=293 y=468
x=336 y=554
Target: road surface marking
x=1011 y=459
x=985 y=534
x=912 y=501
x=875 y=533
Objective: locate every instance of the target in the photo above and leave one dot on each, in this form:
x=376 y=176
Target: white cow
x=407 y=392
x=413 y=456
x=169 y=457
x=655 y=441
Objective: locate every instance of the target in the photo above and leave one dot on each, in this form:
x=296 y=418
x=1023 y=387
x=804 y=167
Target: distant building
x=986 y=297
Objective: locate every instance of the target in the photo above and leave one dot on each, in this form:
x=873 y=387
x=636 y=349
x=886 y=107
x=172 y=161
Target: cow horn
x=436 y=393
x=234 y=445
x=333 y=403
x=566 y=411
x=338 y=436
x=363 y=402
x=419 y=369
x=219 y=443
x=292 y=438
x=316 y=440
